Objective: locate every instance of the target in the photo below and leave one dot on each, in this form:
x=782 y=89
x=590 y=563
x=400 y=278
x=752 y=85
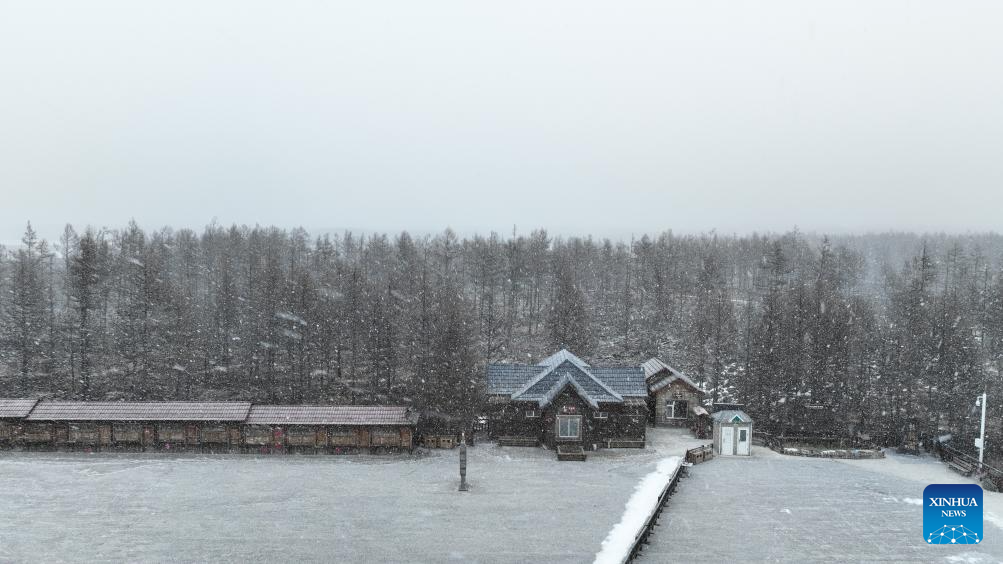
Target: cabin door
x=743 y=442
x=727 y=441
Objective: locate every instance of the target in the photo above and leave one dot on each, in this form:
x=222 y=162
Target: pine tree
x=568 y=320
x=27 y=309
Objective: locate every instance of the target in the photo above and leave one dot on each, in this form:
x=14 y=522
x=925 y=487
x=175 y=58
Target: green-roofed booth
x=732 y=433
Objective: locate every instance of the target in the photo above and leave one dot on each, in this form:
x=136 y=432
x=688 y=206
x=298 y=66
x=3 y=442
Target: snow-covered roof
x=729 y=415
x=658 y=375
x=542 y=382
x=16 y=407
x=140 y=411
x=560 y=356
x=330 y=415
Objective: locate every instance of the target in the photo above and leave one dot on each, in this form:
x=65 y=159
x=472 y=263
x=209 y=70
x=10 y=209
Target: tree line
x=878 y=330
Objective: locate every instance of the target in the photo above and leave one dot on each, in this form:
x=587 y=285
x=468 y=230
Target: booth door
x=743 y=442
x=727 y=441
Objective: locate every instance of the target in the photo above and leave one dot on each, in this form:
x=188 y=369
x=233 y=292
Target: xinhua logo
x=952 y=514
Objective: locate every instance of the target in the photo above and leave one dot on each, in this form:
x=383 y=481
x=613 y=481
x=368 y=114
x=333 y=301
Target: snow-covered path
x=775 y=508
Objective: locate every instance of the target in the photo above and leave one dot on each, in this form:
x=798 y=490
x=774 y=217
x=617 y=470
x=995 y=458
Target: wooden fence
x=700 y=454
x=828 y=447
x=988 y=474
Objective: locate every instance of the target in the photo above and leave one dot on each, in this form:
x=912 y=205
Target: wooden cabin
x=173 y=425
x=12 y=414
x=316 y=428
x=673 y=397
x=563 y=401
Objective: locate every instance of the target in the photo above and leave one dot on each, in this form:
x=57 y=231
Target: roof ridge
x=567 y=375
x=564 y=380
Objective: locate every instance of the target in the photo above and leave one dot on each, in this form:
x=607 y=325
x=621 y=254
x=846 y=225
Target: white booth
x=732 y=433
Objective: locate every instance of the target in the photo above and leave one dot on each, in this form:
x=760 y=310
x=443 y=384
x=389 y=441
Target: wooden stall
x=12 y=414
x=131 y=425
x=314 y=428
x=127 y=433
x=257 y=436
x=35 y=433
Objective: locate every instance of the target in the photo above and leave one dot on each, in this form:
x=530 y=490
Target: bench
x=961 y=466
x=518 y=441
x=569 y=452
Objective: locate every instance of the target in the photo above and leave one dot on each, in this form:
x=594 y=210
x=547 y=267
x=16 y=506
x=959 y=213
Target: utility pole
x=981 y=441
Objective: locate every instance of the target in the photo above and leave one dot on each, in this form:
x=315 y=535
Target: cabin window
x=743 y=435
x=530 y=413
x=569 y=426
x=676 y=409
x=602 y=415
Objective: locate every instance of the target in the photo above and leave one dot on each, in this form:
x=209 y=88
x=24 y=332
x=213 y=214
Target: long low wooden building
x=320 y=427
x=204 y=426
x=164 y=425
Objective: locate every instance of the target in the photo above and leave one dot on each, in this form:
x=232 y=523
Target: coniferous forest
x=880 y=329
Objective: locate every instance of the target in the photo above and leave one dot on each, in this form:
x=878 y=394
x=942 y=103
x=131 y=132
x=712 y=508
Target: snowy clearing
x=523 y=506
x=777 y=508
x=929 y=470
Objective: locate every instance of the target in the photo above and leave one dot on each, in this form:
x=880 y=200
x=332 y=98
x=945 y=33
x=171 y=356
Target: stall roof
x=729 y=415
x=16 y=408
x=330 y=415
x=139 y=411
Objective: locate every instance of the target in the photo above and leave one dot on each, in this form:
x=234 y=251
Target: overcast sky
x=592 y=117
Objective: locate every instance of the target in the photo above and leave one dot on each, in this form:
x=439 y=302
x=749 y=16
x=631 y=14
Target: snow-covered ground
x=524 y=506
x=928 y=470
x=775 y=508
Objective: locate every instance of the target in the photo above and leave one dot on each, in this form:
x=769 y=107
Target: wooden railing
x=950 y=454
x=700 y=454
x=779 y=442
x=641 y=538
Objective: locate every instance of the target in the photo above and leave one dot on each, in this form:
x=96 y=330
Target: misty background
x=582 y=117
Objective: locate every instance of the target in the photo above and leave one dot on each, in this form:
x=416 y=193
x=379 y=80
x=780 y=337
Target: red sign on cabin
x=569 y=409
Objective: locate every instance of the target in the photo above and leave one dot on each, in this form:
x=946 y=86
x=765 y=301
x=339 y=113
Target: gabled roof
x=139 y=411
x=729 y=416
x=542 y=382
x=11 y=408
x=659 y=375
x=330 y=415
x=560 y=356
x=545 y=387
